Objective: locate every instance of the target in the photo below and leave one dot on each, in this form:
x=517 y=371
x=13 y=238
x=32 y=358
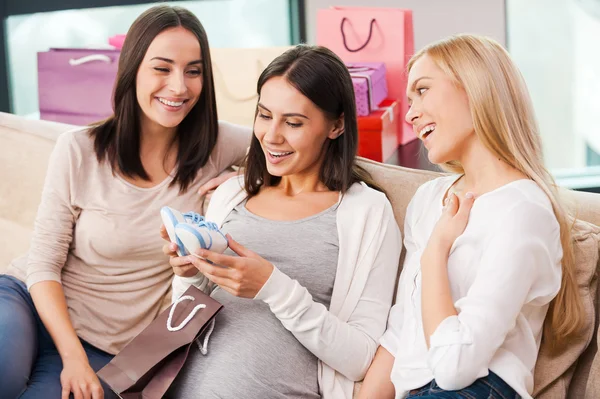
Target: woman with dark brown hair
x=316 y=246
x=95 y=276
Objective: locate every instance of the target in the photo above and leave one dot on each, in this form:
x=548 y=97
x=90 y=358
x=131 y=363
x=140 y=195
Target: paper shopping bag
x=149 y=364
x=236 y=72
x=367 y=34
x=75 y=85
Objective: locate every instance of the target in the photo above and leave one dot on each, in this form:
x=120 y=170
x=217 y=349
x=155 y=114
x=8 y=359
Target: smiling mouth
x=279 y=154
x=171 y=103
x=426 y=131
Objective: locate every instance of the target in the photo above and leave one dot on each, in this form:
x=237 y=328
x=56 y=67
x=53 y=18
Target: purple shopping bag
x=75 y=85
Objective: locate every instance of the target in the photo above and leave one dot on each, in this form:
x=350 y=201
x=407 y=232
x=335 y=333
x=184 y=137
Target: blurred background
x=554 y=42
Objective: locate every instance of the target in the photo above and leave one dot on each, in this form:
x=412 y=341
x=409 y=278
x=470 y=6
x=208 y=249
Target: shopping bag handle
x=188 y=318
x=90 y=58
x=368 y=38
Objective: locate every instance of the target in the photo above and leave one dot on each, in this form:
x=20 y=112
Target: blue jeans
x=30 y=365
x=490 y=387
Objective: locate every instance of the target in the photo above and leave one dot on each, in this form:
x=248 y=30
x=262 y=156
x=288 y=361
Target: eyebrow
x=412 y=87
x=287 y=115
x=172 y=62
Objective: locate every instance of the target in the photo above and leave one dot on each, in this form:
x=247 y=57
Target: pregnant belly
x=250 y=355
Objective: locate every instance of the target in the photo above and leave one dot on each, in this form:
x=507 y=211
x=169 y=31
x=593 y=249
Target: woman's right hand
x=77 y=376
x=451 y=224
x=181 y=266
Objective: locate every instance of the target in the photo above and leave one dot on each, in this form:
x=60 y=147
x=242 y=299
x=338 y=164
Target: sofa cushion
x=24 y=153
x=591 y=359
x=554 y=371
x=400 y=185
x=24 y=162
x=15 y=245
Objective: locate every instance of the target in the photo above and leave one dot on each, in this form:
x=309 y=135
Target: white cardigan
x=345 y=337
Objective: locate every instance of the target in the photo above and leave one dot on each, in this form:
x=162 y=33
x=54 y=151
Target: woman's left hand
x=453 y=221
x=242 y=275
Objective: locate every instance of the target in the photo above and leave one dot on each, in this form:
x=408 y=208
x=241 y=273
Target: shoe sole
x=170 y=219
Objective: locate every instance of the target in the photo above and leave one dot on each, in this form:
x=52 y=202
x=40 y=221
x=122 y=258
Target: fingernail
x=469 y=195
x=446 y=201
x=173 y=247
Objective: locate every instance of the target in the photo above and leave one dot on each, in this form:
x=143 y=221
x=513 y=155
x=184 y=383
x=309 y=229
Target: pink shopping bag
x=365 y=34
x=75 y=85
x=117 y=41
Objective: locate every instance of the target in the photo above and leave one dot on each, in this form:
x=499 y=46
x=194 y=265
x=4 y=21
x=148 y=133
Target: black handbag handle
x=368 y=38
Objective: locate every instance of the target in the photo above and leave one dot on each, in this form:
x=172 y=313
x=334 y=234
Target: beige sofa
x=25 y=146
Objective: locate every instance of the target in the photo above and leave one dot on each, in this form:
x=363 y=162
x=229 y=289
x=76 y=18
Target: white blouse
x=503 y=270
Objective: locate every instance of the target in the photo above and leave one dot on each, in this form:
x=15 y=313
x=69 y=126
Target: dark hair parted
x=117 y=138
x=322 y=77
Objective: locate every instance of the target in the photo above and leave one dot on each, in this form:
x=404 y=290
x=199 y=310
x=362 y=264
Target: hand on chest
x=466 y=255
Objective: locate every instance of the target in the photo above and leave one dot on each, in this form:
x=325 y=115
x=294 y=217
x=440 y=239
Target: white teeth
x=279 y=154
x=426 y=129
x=171 y=103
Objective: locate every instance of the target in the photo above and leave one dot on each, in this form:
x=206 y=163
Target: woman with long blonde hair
x=489 y=262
